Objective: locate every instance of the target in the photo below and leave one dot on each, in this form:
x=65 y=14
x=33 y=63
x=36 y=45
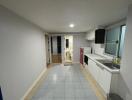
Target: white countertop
x=94 y=57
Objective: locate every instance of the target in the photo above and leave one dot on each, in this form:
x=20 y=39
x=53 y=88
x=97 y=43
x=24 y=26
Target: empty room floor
x=65 y=83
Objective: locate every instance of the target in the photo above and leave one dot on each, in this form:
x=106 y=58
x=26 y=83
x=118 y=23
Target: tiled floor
x=65 y=83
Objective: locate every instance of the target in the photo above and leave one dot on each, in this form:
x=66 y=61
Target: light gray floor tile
x=65 y=83
x=70 y=98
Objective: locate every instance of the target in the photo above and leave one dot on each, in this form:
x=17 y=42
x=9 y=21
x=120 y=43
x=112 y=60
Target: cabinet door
x=90 y=65
x=95 y=71
x=101 y=77
x=93 y=68
x=104 y=80
x=107 y=81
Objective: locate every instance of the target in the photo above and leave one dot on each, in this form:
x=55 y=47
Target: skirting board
x=72 y=62
x=34 y=86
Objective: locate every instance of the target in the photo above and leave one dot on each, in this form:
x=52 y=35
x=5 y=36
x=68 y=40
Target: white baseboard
x=29 y=91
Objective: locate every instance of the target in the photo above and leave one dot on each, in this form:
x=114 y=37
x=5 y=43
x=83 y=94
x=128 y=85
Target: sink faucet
x=115 y=60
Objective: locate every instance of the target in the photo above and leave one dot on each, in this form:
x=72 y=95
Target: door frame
x=66 y=37
x=56 y=56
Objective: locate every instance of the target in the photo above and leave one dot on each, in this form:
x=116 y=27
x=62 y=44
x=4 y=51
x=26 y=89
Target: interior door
x=56 y=49
x=68 y=49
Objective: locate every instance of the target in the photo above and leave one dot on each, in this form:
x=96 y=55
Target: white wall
x=22 y=54
x=125 y=79
x=100 y=48
x=78 y=42
x=54 y=41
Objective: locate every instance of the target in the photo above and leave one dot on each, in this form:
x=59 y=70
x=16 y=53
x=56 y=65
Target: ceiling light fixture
x=71 y=25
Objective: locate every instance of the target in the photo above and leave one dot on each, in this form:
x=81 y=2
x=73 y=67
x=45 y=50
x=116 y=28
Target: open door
x=56 y=49
x=47 y=50
x=68 y=49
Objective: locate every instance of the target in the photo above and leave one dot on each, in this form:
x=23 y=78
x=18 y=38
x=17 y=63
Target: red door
x=81 y=56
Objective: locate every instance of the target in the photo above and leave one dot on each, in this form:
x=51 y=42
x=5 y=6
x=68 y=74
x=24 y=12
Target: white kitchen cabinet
x=94 y=70
x=107 y=81
x=90 y=64
x=101 y=75
x=104 y=79
x=97 y=71
x=90 y=35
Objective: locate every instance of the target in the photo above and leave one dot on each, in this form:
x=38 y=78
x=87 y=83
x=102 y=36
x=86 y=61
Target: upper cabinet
x=90 y=35
x=99 y=36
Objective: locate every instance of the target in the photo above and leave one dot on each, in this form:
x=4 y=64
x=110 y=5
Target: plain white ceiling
x=56 y=15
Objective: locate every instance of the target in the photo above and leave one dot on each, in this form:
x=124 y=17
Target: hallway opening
x=68 y=48
x=56 y=52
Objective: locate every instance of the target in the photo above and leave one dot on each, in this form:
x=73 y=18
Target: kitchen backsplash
x=99 y=50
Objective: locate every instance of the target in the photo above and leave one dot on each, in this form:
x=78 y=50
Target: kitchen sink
x=104 y=60
x=112 y=65
x=109 y=64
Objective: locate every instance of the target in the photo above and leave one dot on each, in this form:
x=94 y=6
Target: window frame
x=118 y=49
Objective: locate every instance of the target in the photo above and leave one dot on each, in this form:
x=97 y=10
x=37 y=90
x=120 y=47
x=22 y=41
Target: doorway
x=68 y=48
x=1 y=98
x=47 y=50
x=56 y=49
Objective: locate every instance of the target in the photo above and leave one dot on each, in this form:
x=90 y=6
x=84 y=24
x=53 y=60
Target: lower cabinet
x=101 y=75
x=104 y=79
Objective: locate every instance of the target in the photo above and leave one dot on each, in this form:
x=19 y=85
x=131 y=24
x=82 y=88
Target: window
x=123 y=30
x=115 y=40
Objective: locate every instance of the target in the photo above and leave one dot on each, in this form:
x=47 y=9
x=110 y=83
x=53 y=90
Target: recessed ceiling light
x=71 y=25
